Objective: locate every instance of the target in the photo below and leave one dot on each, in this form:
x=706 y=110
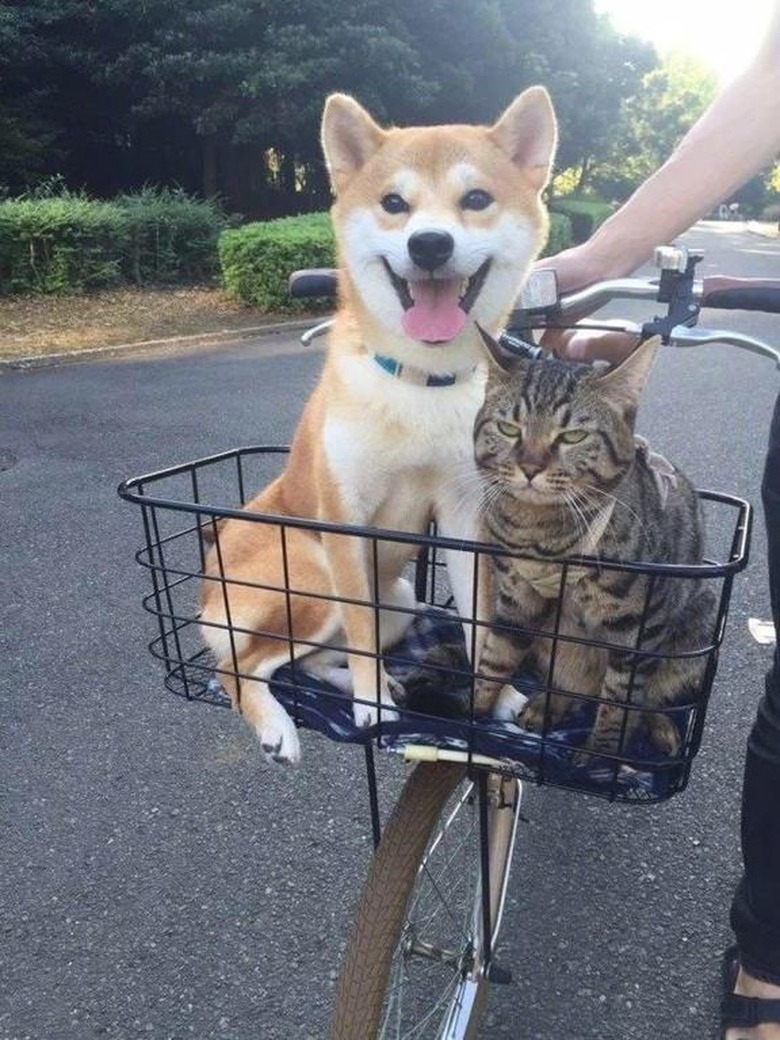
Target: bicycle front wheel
x=416 y=960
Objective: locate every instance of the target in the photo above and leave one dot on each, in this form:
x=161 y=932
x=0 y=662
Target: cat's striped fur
x=565 y=476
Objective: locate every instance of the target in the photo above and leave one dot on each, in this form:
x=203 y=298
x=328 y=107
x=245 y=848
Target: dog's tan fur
x=371 y=449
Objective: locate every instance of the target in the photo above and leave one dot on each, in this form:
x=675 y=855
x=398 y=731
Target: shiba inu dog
x=436 y=228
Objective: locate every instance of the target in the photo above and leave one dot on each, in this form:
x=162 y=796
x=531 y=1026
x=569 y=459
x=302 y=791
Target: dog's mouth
x=435 y=309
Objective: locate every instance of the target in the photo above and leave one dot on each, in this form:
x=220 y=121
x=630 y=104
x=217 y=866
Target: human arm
x=737 y=135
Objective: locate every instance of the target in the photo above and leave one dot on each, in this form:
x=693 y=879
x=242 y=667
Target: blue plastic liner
x=432 y=664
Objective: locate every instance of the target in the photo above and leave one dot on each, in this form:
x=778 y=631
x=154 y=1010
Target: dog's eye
x=394 y=203
x=476 y=199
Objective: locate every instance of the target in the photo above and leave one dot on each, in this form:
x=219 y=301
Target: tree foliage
x=670 y=99
x=224 y=97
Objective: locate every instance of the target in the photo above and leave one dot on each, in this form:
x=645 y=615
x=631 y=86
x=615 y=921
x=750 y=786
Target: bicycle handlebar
x=718 y=292
x=678 y=289
x=540 y=304
x=313 y=283
x=742 y=294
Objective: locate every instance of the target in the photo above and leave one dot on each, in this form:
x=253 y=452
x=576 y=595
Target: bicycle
x=421 y=956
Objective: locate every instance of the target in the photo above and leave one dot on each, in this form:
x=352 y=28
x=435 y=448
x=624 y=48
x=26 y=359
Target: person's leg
x=756 y=907
x=755 y=911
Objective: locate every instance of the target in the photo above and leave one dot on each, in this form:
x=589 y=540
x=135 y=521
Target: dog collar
x=418 y=376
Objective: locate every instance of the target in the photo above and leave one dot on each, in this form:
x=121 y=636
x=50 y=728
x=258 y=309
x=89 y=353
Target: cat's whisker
x=476 y=495
x=491 y=493
x=576 y=511
x=605 y=545
x=468 y=483
x=591 y=489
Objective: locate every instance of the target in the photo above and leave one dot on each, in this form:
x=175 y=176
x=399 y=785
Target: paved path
x=158 y=879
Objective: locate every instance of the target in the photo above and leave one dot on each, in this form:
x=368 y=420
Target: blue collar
x=417 y=376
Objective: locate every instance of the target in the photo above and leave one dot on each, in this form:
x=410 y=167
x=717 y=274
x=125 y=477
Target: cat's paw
x=584 y=758
x=601 y=748
x=663 y=734
x=532 y=716
x=543 y=713
x=538 y=715
x=367 y=713
x=510 y=704
x=278 y=737
x=486 y=692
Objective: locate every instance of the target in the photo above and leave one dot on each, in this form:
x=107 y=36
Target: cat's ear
x=624 y=383
x=505 y=359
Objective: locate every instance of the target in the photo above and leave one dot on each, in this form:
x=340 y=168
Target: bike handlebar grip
x=315 y=281
x=742 y=294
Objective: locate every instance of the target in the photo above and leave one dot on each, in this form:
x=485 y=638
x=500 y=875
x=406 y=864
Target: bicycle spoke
x=436 y=948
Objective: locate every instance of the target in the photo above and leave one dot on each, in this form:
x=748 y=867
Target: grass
x=32 y=325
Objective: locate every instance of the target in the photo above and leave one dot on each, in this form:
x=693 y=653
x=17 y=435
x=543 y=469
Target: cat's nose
x=531 y=470
x=430 y=249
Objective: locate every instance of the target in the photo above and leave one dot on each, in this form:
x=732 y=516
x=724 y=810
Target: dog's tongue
x=434 y=316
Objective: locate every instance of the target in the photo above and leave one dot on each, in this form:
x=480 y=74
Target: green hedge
x=171 y=236
x=257 y=259
x=560 y=236
x=61 y=244
x=585 y=215
x=67 y=243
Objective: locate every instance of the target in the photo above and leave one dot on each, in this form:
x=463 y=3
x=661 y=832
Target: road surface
x=158 y=879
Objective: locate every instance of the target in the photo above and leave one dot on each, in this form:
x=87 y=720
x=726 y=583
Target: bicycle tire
x=384 y=932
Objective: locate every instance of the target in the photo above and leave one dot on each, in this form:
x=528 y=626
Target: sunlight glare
x=711 y=33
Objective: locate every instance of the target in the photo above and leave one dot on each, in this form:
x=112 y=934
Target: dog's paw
x=279 y=738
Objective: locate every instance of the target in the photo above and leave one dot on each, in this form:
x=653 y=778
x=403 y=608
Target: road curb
x=763 y=229
x=225 y=336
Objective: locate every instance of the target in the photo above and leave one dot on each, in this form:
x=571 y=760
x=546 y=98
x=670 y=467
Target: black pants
x=755 y=911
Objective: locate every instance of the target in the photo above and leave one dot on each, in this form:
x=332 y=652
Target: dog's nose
x=431 y=249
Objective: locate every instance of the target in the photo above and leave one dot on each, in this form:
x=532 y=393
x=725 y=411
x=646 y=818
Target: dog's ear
x=349 y=138
x=528 y=133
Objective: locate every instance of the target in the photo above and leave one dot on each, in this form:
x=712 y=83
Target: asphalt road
x=158 y=879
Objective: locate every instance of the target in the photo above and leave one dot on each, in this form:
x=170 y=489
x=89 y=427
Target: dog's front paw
x=278 y=737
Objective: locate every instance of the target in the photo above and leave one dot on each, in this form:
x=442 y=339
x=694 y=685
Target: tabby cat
x=564 y=476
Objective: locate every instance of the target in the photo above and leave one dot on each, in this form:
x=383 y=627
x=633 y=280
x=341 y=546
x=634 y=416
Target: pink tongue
x=434 y=316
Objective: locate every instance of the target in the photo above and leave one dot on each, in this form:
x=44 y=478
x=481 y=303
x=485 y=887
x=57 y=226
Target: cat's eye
x=573 y=436
x=476 y=199
x=394 y=203
x=508 y=429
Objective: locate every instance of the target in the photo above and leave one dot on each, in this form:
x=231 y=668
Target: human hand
x=590 y=342
x=578 y=268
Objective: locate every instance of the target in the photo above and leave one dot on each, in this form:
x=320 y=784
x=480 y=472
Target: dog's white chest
x=402 y=448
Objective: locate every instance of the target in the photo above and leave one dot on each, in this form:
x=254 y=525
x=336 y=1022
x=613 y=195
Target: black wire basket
x=183 y=509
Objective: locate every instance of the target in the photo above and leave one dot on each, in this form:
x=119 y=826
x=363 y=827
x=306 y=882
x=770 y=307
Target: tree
x=27 y=139
x=670 y=100
x=225 y=96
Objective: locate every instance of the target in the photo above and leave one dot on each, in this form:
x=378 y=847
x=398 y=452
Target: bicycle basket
x=183 y=527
